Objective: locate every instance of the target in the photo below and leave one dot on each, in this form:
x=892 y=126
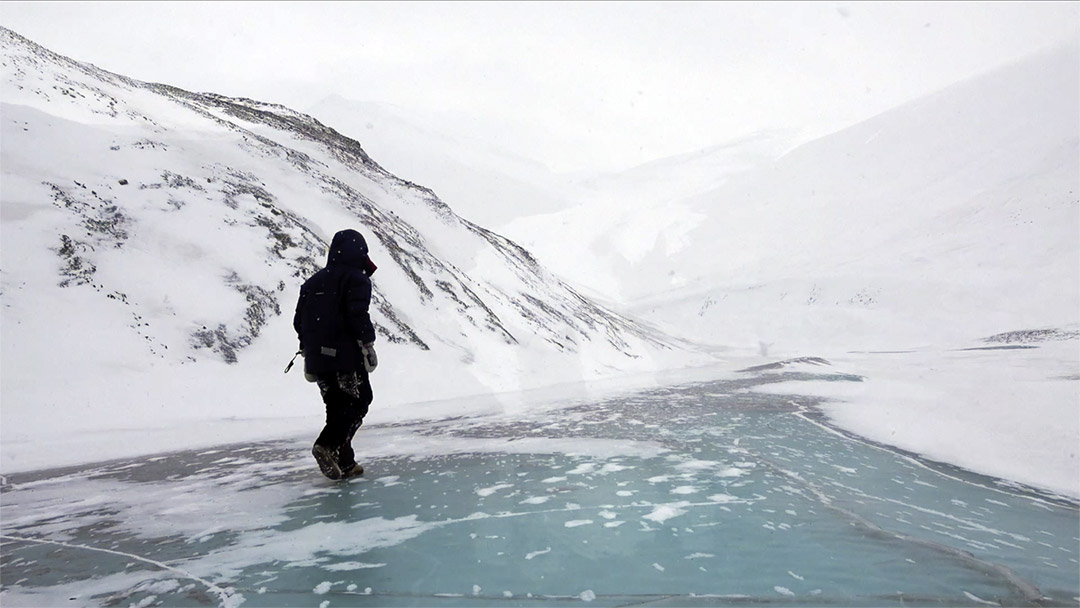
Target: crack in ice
x=229 y=599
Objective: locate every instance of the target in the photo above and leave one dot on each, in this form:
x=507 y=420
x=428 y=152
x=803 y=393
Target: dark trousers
x=347 y=396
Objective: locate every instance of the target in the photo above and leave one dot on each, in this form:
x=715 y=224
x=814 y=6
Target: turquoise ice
x=700 y=494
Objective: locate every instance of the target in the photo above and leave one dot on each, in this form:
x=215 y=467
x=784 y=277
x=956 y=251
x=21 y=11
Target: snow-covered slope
x=634 y=219
x=477 y=179
x=951 y=218
x=154 y=241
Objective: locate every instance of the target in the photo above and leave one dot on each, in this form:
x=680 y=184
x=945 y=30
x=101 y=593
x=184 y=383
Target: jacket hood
x=350 y=249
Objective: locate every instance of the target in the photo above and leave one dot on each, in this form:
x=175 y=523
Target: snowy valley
x=157 y=238
x=840 y=371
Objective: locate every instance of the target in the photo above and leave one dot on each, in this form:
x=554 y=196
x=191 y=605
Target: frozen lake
x=700 y=494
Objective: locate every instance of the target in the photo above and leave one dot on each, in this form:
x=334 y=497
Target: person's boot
x=328 y=461
x=355 y=470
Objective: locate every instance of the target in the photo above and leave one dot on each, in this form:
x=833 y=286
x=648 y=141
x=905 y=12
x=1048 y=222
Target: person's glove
x=371 y=360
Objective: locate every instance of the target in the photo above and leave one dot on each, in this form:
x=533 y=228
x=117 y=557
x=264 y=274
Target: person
x=337 y=341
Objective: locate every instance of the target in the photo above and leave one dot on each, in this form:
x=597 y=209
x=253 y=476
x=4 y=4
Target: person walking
x=337 y=341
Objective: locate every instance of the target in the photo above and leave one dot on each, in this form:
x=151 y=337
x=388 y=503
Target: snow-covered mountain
x=523 y=199
x=154 y=241
x=952 y=218
x=478 y=180
x=622 y=220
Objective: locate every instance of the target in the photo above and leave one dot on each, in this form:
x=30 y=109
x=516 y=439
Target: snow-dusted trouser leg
x=347 y=396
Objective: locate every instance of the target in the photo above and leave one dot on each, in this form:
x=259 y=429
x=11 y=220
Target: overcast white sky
x=576 y=85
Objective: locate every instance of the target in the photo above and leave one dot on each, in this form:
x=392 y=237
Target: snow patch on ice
x=347 y=566
x=582 y=469
x=697 y=465
x=662 y=513
x=724 y=498
x=533 y=554
x=975 y=598
x=485 y=492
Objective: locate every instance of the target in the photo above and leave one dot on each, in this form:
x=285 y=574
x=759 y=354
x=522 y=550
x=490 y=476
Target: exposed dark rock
x=1028 y=336
x=76 y=270
x=787 y=363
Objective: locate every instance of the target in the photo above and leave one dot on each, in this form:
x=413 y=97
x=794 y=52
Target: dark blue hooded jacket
x=332 y=317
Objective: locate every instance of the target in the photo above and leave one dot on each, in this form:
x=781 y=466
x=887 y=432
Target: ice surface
x=705 y=493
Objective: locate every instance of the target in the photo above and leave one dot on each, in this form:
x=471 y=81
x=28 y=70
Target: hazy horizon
x=576 y=86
